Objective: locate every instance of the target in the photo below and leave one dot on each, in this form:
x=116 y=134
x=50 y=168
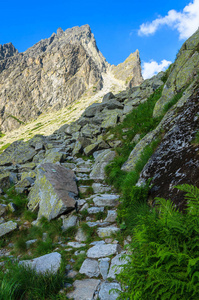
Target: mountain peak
x=7 y=50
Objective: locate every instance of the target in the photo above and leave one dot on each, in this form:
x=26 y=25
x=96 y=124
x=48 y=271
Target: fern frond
x=192 y=197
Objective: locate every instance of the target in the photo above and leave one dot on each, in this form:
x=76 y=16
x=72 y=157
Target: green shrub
x=165 y=259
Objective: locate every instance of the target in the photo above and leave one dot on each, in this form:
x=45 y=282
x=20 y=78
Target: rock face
x=54 y=191
x=51 y=74
x=130 y=70
x=182 y=72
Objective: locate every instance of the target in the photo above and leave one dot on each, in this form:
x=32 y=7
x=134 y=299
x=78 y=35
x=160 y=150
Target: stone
x=111 y=217
x=77 y=148
x=97 y=223
x=106 y=200
x=49 y=263
x=105 y=292
x=30 y=242
x=12 y=207
x=116 y=265
x=108 y=96
x=68 y=222
x=107 y=231
x=2 y=209
x=7 y=227
x=53 y=157
x=103 y=250
x=5 y=180
x=23 y=185
x=76 y=244
x=101 y=161
x=80 y=236
x=84 y=289
x=90 y=149
x=95 y=210
x=104 y=266
x=72 y=274
x=99 y=188
x=90 y=268
x=54 y=191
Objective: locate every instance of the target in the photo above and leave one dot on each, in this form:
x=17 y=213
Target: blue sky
x=120 y=27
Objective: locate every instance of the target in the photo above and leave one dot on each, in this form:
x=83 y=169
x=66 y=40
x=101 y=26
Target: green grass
x=15 y=118
x=23 y=283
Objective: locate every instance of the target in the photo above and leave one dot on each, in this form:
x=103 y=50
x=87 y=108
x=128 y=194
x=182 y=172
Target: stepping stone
x=116 y=265
x=95 y=210
x=97 y=223
x=107 y=231
x=111 y=217
x=68 y=222
x=99 y=188
x=105 y=294
x=103 y=250
x=106 y=200
x=104 y=266
x=84 y=289
x=90 y=268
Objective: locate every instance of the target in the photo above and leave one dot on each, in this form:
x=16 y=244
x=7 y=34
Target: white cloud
x=151 y=68
x=186 y=22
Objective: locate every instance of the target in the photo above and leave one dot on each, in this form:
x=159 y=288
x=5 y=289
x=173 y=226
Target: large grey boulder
x=49 y=263
x=101 y=161
x=54 y=191
x=7 y=227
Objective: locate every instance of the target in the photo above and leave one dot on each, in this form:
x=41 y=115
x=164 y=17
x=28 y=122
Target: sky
x=156 y=28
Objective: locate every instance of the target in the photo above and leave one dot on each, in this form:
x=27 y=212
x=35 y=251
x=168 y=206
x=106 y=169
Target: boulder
x=18 y=152
x=49 y=263
x=108 y=96
x=54 y=191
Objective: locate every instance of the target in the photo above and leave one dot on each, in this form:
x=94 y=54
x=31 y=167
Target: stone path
x=104 y=255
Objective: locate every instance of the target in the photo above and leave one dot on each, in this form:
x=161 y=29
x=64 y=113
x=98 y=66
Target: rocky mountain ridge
x=50 y=75
x=79 y=152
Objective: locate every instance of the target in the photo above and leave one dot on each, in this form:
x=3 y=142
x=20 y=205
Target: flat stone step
x=103 y=250
x=107 y=231
x=106 y=200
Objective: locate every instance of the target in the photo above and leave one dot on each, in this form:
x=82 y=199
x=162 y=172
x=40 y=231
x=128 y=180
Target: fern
x=164 y=263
